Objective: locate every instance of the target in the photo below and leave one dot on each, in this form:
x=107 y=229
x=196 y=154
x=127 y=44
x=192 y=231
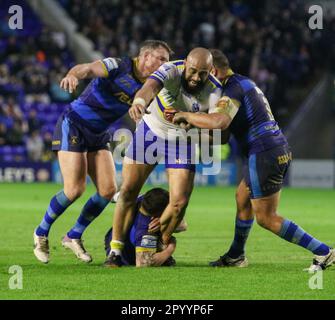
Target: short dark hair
x=220 y=60
x=155 y=201
x=153 y=45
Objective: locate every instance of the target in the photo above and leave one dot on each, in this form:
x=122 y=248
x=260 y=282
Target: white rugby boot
x=77 y=247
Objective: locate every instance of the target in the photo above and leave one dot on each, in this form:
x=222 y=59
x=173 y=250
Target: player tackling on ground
x=81 y=138
x=179 y=85
x=246 y=111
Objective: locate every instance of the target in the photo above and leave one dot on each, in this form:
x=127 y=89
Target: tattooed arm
x=151 y=258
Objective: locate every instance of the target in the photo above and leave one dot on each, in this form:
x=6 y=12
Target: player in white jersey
x=176 y=86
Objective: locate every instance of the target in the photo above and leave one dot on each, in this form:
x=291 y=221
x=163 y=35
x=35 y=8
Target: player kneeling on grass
x=143 y=247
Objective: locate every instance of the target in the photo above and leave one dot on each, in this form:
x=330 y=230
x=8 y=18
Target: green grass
x=275 y=270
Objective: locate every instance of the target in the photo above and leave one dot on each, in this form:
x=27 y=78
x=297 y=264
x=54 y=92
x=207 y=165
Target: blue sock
x=57 y=206
x=242 y=229
x=92 y=209
x=293 y=233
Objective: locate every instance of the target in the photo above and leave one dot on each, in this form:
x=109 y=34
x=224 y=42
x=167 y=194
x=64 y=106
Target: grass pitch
x=275 y=270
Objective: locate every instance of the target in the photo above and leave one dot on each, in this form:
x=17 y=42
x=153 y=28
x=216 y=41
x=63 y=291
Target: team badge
x=195 y=107
x=74 y=140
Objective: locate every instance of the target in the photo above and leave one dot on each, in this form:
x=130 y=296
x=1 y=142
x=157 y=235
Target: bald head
x=201 y=57
x=198 y=66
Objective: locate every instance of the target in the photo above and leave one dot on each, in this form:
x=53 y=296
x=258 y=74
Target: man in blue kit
x=143 y=247
x=246 y=111
x=81 y=138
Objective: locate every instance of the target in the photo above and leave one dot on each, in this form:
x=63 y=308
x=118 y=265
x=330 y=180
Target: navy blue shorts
x=264 y=172
x=148 y=148
x=70 y=135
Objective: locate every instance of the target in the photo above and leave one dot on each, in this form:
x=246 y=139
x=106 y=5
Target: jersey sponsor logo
x=149 y=241
x=285 y=158
x=56 y=142
x=123 y=97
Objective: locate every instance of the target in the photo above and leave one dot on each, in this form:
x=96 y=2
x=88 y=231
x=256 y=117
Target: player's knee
x=75 y=192
x=108 y=193
x=128 y=194
x=264 y=221
x=179 y=204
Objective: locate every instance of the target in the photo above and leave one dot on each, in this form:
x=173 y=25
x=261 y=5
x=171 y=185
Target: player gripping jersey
x=246 y=111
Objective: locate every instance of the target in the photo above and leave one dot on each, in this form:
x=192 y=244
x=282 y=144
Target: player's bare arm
x=95 y=69
x=153 y=259
x=222 y=117
x=143 y=98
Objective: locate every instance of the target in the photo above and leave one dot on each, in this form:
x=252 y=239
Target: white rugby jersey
x=173 y=96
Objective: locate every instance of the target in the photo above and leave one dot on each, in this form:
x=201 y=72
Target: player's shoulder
x=173 y=65
x=214 y=82
x=117 y=64
x=241 y=82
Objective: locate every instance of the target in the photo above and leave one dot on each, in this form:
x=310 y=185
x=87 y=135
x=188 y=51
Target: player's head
x=221 y=64
x=155 y=201
x=198 y=66
x=153 y=53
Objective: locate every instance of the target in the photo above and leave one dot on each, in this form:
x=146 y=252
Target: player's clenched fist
x=69 y=83
x=138 y=109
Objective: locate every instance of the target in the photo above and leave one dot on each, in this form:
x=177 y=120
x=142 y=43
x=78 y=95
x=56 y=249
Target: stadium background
x=270 y=41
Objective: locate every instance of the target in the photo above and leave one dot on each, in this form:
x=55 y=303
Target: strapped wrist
x=140 y=101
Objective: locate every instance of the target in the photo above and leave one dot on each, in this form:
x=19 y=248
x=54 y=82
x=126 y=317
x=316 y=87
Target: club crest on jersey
x=74 y=140
x=195 y=107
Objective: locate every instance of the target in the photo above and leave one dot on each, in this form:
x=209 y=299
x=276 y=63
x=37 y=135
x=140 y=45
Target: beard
x=191 y=90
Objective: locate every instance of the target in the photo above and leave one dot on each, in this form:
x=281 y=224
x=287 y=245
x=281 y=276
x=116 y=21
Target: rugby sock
x=293 y=233
x=92 y=209
x=242 y=229
x=117 y=247
x=57 y=206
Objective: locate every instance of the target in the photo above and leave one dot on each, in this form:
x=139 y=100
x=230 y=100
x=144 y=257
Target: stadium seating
x=25 y=54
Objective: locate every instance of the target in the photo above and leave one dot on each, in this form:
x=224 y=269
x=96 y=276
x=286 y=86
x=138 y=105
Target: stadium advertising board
x=28 y=172
x=312 y=173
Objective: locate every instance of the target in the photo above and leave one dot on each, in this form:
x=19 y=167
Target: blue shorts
x=146 y=147
x=70 y=135
x=264 y=172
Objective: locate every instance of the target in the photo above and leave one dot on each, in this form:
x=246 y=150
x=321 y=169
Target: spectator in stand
x=33 y=121
x=3 y=134
x=48 y=154
x=15 y=134
x=35 y=146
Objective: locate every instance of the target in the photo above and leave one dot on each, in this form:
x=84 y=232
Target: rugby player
x=81 y=138
x=179 y=85
x=246 y=111
x=142 y=244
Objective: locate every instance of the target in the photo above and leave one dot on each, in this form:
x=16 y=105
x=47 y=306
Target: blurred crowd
x=32 y=62
x=267 y=40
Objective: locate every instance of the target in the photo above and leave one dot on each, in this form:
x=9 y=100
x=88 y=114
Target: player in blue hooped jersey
x=81 y=138
x=245 y=110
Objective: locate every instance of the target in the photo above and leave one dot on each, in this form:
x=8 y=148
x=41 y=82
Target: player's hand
x=169 y=114
x=69 y=83
x=154 y=225
x=137 y=111
x=180 y=118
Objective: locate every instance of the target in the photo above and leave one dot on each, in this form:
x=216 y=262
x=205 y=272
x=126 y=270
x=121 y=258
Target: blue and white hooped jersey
x=173 y=96
x=105 y=100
